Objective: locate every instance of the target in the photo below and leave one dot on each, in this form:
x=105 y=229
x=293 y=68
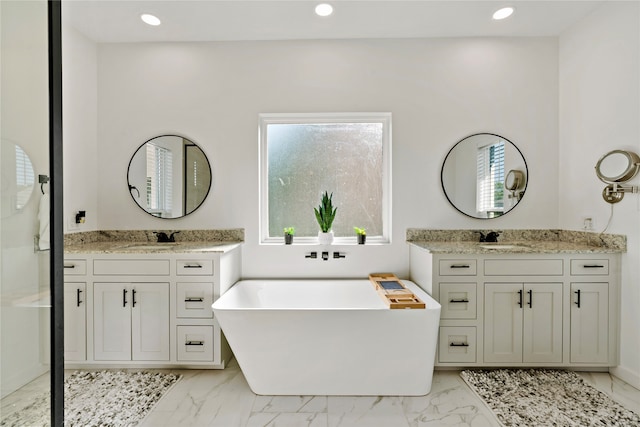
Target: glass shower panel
x=24 y=211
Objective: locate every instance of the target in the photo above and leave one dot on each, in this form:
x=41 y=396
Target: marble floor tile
x=222 y=398
x=366 y=411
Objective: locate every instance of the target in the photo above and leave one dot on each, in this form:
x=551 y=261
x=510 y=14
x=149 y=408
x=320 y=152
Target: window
x=490 y=182
x=303 y=155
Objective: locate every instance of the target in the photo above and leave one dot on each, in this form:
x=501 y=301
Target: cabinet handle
x=593 y=266
x=133 y=297
x=194 y=343
x=530 y=292
x=458 y=300
x=460 y=266
x=69 y=266
x=194 y=300
x=455 y=344
x=124 y=297
x=578 y=301
x=192 y=266
x=520 y=298
x=78 y=302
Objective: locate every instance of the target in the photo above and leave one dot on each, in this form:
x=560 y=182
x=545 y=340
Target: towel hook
x=42 y=180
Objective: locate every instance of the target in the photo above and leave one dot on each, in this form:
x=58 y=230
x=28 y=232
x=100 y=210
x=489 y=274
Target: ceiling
x=110 y=21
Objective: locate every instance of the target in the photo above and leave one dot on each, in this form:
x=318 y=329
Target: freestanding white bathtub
x=328 y=337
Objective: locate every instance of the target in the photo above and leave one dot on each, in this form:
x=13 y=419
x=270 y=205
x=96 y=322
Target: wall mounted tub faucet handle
x=312 y=255
x=339 y=255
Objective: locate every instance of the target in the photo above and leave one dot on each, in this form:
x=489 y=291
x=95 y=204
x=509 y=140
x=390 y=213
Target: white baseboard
x=626 y=375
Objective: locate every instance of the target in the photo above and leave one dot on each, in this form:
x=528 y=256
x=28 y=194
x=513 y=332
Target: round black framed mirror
x=484 y=176
x=169 y=176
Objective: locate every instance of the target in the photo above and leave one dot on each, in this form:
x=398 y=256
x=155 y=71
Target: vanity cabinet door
x=589 y=322
x=150 y=321
x=503 y=322
x=75 y=321
x=542 y=323
x=131 y=321
x=523 y=322
x=112 y=321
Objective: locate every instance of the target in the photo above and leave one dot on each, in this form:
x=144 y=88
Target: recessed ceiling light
x=503 y=13
x=150 y=19
x=324 y=9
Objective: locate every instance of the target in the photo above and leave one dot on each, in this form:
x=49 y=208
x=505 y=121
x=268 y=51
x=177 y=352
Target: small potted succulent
x=361 y=234
x=288 y=235
x=325 y=214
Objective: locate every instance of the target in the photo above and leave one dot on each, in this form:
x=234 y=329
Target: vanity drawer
x=523 y=267
x=198 y=267
x=131 y=267
x=458 y=300
x=75 y=267
x=457 y=267
x=195 y=343
x=457 y=344
x=194 y=300
x=589 y=267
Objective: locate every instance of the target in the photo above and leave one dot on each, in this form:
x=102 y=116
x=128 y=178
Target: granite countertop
x=517 y=242
x=145 y=242
x=150 y=247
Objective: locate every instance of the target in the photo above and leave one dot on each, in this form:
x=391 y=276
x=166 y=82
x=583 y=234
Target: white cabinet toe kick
x=146 y=310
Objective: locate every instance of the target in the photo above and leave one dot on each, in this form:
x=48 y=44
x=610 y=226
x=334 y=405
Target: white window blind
x=24 y=178
x=159 y=180
x=490 y=180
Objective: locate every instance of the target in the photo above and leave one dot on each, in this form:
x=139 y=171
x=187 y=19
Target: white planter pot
x=325 y=238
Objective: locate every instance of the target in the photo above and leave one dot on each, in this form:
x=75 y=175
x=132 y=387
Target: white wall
x=438 y=90
x=80 y=115
x=599 y=112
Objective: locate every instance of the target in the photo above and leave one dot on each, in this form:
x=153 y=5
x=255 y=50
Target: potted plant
x=325 y=214
x=361 y=234
x=288 y=235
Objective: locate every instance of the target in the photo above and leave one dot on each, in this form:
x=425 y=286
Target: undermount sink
x=151 y=246
x=499 y=246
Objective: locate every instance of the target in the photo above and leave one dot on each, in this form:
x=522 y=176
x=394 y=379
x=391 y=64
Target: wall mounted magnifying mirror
x=484 y=176
x=169 y=176
x=614 y=169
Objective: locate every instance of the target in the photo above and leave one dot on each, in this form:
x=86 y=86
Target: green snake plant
x=325 y=213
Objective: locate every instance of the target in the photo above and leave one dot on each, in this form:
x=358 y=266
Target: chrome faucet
x=491 y=236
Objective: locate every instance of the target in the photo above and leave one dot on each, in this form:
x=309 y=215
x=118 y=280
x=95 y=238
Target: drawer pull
x=78 y=301
x=459 y=300
x=194 y=343
x=69 y=266
x=593 y=266
x=192 y=266
x=578 y=301
x=194 y=300
x=456 y=344
x=133 y=297
x=460 y=266
x=530 y=292
x=124 y=297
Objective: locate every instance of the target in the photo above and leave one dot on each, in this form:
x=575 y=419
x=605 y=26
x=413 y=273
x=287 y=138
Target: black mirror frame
x=133 y=188
x=523 y=191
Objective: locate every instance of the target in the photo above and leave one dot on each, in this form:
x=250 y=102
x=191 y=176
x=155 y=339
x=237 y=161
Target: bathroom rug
x=99 y=398
x=544 y=397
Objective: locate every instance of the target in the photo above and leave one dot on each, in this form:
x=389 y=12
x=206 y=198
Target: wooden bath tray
x=393 y=292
